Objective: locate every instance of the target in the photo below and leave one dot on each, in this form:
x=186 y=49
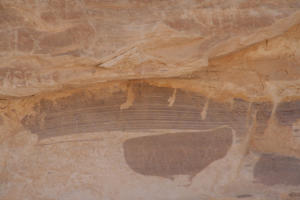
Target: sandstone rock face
x=133 y=99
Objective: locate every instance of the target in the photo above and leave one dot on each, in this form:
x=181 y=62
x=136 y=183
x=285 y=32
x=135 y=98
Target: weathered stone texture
x=138 y=99
x=87 y=112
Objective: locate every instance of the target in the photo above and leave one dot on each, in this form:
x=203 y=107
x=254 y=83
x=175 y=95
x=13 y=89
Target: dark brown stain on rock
x=288 y=112
x=294 y=196
x=244 y=196
x=275 y=169
x=176 y=153
x=89 y=112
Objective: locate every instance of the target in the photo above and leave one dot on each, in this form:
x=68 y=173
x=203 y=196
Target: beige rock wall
x=150 y=100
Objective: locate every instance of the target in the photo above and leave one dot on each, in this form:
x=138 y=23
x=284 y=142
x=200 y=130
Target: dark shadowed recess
x=176 y=153
x=82 y=113
x=276 y=169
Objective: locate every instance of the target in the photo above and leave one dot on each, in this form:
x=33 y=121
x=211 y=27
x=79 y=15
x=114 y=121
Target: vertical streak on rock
x=204 y=111
x=172 y=98
x=130 y=98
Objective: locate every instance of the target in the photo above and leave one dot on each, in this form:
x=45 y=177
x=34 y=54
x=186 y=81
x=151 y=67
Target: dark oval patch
x=176 y=153
x=275 y=169
x=244 y=196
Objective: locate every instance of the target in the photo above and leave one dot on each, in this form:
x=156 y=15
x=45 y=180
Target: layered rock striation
x=150 y=99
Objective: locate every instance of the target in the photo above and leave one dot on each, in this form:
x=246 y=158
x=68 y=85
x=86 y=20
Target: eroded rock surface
x=151 y=100
x=150 y=110
x=45 y=44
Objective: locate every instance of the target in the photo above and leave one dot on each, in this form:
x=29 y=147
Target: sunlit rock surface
x=132 y=99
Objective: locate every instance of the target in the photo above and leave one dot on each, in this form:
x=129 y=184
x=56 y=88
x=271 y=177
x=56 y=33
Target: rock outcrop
x=133 y=99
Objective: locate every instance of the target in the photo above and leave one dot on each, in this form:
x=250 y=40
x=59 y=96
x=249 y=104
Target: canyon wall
x=150 y=99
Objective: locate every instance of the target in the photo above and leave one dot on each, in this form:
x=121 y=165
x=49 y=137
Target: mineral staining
x=181 y=153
